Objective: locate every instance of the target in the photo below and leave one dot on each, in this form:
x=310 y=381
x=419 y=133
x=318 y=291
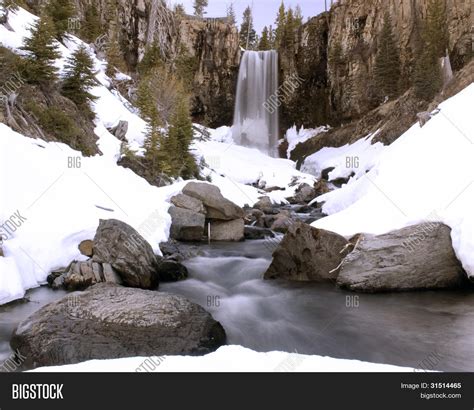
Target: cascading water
x=255 y=125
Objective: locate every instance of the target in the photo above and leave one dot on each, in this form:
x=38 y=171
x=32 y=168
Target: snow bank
x=426 y=174
x=228 y=359
x=356 y=158
x=63 y=195
x=295 y=137
x=233 y=168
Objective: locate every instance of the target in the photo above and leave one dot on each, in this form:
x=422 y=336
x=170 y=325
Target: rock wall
x=341 y=87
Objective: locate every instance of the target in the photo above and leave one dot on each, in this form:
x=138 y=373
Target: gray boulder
x=282 y=222
x=188 y=202
x=170 y=270
x=304 y=194
x=265 y=205
x=308 y=254
x=231 y=231
x=128 y=253
x=109 y=321
x=186 y=225
x=217 y=207
x=415 y=257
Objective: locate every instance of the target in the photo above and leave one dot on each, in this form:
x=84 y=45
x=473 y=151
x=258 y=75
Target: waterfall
x=254 y=125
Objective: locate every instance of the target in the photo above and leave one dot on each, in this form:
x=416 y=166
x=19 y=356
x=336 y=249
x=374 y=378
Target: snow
x=295 y=137
x=63 y=205
x=233 y=168
x=356 y=158
x=228 y=359
x=426 y=174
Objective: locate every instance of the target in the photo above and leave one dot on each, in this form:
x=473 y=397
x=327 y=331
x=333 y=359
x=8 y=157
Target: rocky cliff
x=211 y=46
x=340 y=85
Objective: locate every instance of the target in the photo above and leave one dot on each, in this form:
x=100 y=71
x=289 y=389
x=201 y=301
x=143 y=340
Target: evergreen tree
x=289 y=32
x=179 y=139
x=298 y=16
x=151 y=59
x=179 y=10
x=91 y=26
x=113 y=52
x=39 y=64
x=79 y=78
x=247 y=32
x=433 y=44
x=387 y=61
x=199 y=6
x=61 y=11
x=232 y=19
x=436 y=34
x=264 y=43
x=271 y=37
x=280 y=24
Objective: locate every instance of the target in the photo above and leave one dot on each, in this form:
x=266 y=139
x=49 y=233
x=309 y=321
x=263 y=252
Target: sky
x=264 y=11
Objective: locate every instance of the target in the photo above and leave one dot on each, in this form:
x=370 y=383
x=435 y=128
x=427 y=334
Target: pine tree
x=264 y=43
x=61 y=11
x=179 y=139
x=199 y=6
x=91 y=26
x=247 y=32
x=152 y=59
x=271 y=37
x=113 y=52
x=298 y=16
x=179 y=10
x=39 y=64
x=79 y=78
x=290 y=31
x=280 y=24
x=427 y=73
x=387 y=61
x=231 y=18
x=436 y=35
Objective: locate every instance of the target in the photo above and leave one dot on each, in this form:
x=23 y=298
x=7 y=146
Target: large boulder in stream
x=129 y=254
x=308 y=254
x=217 y=207
x=109 y=321
x=415 y=257
x=186 y=225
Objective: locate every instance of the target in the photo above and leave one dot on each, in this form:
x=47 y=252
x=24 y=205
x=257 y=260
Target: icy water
x=416 y=329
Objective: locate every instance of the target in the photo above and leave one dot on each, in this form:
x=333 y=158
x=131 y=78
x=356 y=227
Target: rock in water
x=307 y=254
x=232 y=231
x=186 y=225
x=217 y=206
x=109 y=321
x=127 y=252
x=416 y=257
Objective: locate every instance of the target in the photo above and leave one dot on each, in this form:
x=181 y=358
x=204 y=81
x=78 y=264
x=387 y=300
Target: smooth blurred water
x=416 y=329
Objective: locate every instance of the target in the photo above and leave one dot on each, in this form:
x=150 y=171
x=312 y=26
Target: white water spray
x=254 y=125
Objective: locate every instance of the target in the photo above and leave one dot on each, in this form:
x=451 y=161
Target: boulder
x=265 y=205
x=108 y=321
x=231 y=231
x=255 y=232
x=307 y=254
x=254 y=217
x=120 y=131
x=86 y=247
x=188 y=202
x=325 y=173
x=217 y=207
x=128 y=253
x=415 y=257
x=174 y=250
x=303 y=194
x=186 y=225
x=282 y=222
x=171 y=271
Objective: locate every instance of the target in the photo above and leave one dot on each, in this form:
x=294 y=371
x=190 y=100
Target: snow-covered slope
x=426 y=174
x=62 y=195
x=228 y=359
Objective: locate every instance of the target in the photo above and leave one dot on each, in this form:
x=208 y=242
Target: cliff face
x=210 y=45
x=342 y=87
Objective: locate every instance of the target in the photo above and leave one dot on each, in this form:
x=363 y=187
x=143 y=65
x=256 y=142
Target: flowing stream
x=256 y=115
x=415 y=329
